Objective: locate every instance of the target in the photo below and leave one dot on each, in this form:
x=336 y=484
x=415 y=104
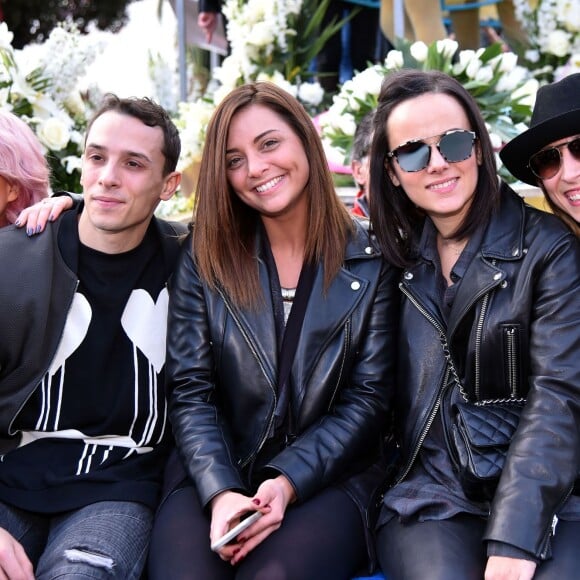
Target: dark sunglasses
x=546 y=163
x=454 y=146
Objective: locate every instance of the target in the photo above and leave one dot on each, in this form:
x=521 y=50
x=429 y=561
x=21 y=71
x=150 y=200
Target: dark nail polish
x=17 y=223
x=256 y=501
x=38 y=229
x=29 y=232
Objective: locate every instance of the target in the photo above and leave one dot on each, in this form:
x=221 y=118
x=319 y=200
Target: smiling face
x=266 y=163
x=444 y=190
x=564 y=188
x=122 y=178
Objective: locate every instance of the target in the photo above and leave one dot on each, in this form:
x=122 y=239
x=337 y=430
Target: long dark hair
x=396 y=220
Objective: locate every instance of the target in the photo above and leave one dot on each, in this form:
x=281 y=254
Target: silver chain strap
x=457 y=381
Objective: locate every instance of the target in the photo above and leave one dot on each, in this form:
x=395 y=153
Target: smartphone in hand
x=235 y=531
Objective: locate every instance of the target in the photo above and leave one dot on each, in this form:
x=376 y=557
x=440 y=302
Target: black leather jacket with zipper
x=221 y=370
x=513 y=331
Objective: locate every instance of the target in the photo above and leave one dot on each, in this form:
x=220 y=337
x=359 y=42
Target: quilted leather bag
x=481 y=435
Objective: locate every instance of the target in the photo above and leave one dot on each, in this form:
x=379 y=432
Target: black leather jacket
x=514 y=331
x=221 y=370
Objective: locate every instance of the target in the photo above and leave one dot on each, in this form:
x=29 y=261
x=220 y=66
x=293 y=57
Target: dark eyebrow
x=102 y=148
x=256 y=139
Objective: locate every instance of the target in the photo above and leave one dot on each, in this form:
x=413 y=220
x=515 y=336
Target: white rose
x=53 y=133
x=559 y=43
x=311 y=93
x=419 y=51
x=394 y=59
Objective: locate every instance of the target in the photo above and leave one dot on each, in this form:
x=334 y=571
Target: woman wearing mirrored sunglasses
x=548 y=153
x=497 y=283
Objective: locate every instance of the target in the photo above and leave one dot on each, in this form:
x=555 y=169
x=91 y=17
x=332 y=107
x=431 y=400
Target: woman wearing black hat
x=490 y=312
x=548 y=153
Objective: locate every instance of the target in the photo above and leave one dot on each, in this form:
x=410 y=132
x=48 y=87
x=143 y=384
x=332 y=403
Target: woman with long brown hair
x=281 y=332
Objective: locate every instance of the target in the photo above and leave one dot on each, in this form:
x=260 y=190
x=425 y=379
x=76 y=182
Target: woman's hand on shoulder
x=35 y=217
x=504 y=568
x=272 y=498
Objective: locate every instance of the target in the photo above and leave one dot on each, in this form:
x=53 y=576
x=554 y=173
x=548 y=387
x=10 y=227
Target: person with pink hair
x=24 y=172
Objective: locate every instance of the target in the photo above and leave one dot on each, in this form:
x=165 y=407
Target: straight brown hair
x=224 y=239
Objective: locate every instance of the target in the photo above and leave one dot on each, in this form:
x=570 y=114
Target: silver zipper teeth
x=478 y=333
x=552 y=525
x=511 y=354
x=242 y=463
x=433 y=413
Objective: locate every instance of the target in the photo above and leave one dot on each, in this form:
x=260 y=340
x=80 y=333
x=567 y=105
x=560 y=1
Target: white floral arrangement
x=38 y=84
x=504 y=91
x=269 y=41
x=553 y=30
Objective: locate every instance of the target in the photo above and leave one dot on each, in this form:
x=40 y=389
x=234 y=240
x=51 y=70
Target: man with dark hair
x=83 y=428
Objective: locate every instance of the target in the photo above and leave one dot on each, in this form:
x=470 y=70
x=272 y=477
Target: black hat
x=556 y=115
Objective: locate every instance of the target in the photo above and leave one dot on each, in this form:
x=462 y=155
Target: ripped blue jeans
x=105 y=540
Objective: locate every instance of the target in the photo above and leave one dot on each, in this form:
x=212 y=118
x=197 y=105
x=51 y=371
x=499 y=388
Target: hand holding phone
x=235 y=531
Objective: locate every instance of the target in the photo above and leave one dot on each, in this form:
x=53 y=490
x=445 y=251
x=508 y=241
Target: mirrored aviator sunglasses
x=546 y=163
x=454 y=146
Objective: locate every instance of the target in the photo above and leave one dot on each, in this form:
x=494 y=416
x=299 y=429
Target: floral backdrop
x=278 y=41
x=553 y=30
x=39 y=84
x=504 y=91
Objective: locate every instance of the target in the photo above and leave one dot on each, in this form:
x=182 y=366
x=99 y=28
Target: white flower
x=394 y=59
x=505 y=62
x=262 y=35
x=532 y=55
x=509 y=82
x=53 y=133
x=473 y=67
x=484 y=74
x=347 y=124
x=365 y=83
x=419 y=51
x=559 y=43
x=526 y=94
x=447 y=47
x=464 y=59
x=72 y=163
x=496 y=141
x=311 y=93
x=6 y=36
x=280 y=80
